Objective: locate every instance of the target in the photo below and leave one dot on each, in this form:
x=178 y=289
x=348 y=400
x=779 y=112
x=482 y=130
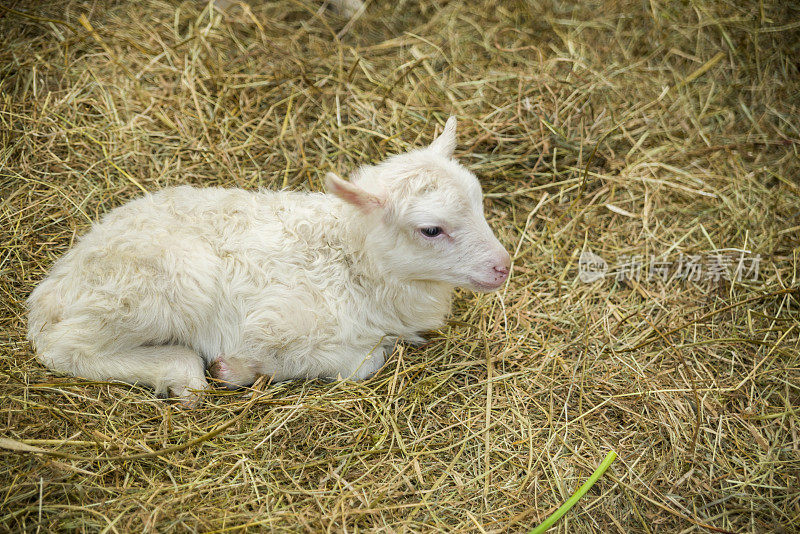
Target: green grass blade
x=564 y=508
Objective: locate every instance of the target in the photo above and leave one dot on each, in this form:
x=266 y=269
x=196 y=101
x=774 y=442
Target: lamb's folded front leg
x=355 y=364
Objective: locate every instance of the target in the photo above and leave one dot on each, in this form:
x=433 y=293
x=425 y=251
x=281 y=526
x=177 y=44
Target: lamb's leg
x=172 y=369
x=233 y=372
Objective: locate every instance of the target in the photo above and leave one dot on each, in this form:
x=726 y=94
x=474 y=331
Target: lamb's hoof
x=346 y=8
x=414 y=340
x=225 y=374
x=190 y=393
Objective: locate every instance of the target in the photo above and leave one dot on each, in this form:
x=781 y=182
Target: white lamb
x=283 y=284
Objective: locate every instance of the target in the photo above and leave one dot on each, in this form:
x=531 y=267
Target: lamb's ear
x=445 y=144
x=351 y=193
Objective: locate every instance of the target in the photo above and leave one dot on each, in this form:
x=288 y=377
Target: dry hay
x=622 y=127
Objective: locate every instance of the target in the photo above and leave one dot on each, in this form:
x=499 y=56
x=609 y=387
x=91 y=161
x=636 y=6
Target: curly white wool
x=283 y=284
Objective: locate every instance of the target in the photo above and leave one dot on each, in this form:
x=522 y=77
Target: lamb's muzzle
x=287 y=285
x=501 y=269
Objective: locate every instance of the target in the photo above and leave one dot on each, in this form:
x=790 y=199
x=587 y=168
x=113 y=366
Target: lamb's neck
x=411 y=307
x=422 y=306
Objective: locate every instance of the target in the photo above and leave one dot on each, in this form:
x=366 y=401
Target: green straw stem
x=564 y=508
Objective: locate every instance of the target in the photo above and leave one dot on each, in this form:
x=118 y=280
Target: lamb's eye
x=431 y=231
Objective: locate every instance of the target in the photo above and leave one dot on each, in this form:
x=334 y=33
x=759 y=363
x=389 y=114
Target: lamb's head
x=424 y=215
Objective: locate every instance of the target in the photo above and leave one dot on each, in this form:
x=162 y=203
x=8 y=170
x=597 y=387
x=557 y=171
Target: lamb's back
x=184 y=262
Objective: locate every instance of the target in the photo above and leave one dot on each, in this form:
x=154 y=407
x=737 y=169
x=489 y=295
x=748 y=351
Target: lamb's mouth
x=484 y=286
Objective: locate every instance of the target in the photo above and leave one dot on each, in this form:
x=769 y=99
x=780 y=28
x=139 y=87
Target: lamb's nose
x=502 y=267
x=502 y=271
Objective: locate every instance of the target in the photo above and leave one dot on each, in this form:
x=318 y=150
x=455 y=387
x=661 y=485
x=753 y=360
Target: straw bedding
x=628 y=129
